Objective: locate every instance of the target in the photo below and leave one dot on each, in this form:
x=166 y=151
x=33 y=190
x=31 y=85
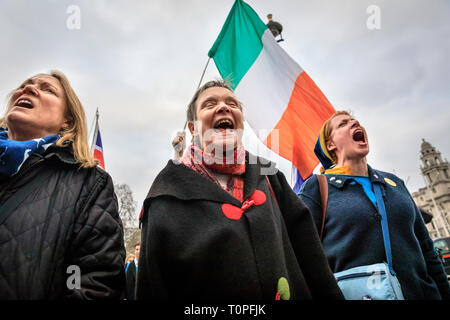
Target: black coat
x=191 y=250
x=71 y=220
x=130 y=288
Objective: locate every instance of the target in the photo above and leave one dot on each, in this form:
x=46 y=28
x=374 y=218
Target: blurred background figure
x=275 y=28
x=130 y=272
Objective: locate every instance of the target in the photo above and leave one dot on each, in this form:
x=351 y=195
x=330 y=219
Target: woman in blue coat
x=352 y=233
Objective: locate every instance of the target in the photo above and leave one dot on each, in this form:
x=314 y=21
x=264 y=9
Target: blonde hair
x=327 y=129
x=77 y=132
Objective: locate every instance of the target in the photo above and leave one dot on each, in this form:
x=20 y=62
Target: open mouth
x=24 y=103
x=224 y=124
x=359 y=136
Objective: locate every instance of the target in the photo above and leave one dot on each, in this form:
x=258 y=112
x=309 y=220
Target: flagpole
x=200 y=82
x=94 y=137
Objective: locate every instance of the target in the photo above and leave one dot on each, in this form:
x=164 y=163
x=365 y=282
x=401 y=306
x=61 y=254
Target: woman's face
x=348 y=139
x=37 y=109
x=220 y=116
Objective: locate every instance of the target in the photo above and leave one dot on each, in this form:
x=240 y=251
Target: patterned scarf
x=208 y=165
x=13 y=153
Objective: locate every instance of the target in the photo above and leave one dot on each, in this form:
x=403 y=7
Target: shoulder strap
x=128 y=264
x=384 y=225
x=271 y=190
x=323 y=188
x=19 y=196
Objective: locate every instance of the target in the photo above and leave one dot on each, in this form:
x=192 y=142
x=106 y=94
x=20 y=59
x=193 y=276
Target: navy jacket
x=191 y=250
x=353 y=235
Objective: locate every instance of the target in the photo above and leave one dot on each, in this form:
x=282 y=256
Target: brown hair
x=327 y=129
x=77 y=133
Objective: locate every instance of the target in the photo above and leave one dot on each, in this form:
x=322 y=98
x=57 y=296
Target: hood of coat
x=177 y=180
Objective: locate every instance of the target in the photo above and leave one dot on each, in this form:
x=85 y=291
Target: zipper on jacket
x=360 y=274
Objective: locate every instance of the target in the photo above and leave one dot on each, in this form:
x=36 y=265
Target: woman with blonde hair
x=372 y=232
x=60 y=231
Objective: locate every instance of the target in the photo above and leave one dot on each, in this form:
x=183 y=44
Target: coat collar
x=339 y=181
x=63 y=154
x=177 y=180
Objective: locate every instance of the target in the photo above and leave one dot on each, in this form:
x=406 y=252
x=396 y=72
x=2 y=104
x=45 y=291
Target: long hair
x=77 y=132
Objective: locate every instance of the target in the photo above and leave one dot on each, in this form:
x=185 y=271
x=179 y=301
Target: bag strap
x=384 y=226
x=19 y=196
x=271 y=191
x=323 y=188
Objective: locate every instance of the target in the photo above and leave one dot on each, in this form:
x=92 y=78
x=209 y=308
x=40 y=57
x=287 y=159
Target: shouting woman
x=370 y=217
x=217 y=226
x=60 y=232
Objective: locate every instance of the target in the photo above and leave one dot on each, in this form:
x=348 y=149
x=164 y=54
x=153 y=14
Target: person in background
x=129 y=258
x=131 y=271
x=352 y=233
x=219 y=225
x=60 y=230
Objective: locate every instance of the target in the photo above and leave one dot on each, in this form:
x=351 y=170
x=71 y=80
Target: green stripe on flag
x=239 y=42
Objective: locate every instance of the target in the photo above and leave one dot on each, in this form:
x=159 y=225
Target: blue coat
x=353 y=235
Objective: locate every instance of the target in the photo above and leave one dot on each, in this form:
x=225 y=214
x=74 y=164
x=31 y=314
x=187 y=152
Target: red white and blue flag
x=97 y=146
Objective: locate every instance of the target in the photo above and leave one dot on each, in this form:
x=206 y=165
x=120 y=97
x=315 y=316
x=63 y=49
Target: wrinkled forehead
x=42 y=78
x=215 y=93
x=335 y=121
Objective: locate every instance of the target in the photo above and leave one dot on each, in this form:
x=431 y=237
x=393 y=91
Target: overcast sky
x=140 y=62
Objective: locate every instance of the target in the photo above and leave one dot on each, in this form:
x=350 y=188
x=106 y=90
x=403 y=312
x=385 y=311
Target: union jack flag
x=97 y=146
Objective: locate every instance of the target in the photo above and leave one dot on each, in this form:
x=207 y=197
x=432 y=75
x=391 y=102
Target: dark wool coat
x=353 y=235
x=130 y=288
x=191 y=250
x=71 y=220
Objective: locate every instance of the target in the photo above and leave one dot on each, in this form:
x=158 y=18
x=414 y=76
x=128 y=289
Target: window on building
x=446 y=174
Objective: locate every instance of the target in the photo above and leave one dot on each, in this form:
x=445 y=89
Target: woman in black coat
x=221 y=225
x=60 y=233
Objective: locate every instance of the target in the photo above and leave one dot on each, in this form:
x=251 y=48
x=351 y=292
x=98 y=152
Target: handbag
x=370 y=282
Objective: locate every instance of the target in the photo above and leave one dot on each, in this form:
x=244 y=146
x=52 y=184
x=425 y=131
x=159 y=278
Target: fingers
x=179 y=141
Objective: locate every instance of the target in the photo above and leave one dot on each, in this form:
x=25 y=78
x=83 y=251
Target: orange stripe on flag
x=99 y=156
x=300 y=125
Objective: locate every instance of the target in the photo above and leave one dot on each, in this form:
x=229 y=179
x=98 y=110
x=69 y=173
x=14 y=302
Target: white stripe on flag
x=266 y=88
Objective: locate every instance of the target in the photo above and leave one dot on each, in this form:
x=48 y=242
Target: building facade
x=435 y=196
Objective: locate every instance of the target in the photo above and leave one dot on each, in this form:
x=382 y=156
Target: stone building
x=435 y=196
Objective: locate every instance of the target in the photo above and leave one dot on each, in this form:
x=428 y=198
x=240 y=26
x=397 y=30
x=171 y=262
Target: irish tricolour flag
x=276 y=92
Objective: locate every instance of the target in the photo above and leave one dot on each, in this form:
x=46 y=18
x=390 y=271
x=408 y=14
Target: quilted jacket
x=65 y=240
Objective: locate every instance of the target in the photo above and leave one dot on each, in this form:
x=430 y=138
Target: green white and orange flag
x=276 y=92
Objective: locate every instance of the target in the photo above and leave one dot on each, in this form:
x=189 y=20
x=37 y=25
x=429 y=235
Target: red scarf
x=207 y=165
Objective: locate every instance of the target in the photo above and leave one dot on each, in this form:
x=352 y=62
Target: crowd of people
x=215 y=224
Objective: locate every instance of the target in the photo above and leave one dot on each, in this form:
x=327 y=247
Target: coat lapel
x=181 y=182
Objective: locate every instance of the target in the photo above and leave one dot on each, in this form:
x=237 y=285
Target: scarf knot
x=209 y=165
